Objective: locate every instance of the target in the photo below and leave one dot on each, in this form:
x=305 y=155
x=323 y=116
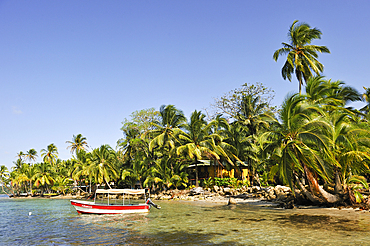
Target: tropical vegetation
x=314 y=142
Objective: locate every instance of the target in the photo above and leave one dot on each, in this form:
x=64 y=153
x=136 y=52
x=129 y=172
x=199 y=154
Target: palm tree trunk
x=2 y=187
x=338 y=184
x=31 y=188
x=107 y=184
x=308 y=194
x=330 y=198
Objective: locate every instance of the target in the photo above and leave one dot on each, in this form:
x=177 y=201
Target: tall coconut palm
x=166 y=130
x=31 y=155
x=50 y=154
x=104 y=161
x=78 y=143
x=301 y=54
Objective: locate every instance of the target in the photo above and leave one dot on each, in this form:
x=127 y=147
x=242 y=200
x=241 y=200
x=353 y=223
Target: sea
x=55 y=222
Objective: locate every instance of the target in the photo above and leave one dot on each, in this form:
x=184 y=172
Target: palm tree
x=136 y=172
x=17 y=164
x=21 y=155
x=253 y=117
x=348 y=148
x=301 y=54
x=302 y=148
x=44 y=175
x=29 y=171
x=80 y=168
x=4 y=174
x=50 y=154
x=31 y=155
x=166 y=130
x=127 y=144
x=78 y=143
x=330 y=95
x=197 y=142
x=164 y=173
x=104 y=161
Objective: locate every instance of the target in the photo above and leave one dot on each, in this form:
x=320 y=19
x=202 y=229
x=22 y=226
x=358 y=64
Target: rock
x=216 y=188
x=289 y=205
x=256 y=188
x=231 y=201
x=197 y=190
x=282 y=188
x=281 y=196
x=227 y=191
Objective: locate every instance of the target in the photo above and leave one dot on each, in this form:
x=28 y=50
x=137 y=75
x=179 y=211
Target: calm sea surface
x=55 y=222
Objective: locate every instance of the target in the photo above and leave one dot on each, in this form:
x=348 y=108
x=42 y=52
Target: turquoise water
x=55 y=222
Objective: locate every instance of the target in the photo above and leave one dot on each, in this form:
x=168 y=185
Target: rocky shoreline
x=278 y=196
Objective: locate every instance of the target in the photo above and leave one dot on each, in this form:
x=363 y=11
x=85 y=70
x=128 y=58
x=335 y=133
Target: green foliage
x=208 y=183
x=141 y=120
x=231 y=104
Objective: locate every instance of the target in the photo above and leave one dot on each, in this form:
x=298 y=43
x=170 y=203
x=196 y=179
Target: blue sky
x=70 y=67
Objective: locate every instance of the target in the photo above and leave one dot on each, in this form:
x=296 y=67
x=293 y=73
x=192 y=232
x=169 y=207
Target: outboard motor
x=150 y=203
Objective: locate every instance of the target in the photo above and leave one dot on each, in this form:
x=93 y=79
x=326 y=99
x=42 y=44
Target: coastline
x=225 y=201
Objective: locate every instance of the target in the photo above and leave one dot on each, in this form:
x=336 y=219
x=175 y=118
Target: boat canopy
x=121 y=191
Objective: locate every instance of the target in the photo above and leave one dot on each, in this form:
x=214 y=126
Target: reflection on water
x=55 y=222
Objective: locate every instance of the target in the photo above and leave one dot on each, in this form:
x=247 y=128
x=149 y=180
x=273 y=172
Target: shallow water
x=55 y=222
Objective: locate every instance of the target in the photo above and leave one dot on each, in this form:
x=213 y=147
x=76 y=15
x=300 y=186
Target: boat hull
x=84 y=207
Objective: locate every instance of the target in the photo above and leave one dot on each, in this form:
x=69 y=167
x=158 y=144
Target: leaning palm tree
x=50 y=154
x=301 y=148
x=301 y=54
x=78 y=143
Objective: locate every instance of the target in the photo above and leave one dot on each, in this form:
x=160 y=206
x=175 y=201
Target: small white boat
x=110 y=205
